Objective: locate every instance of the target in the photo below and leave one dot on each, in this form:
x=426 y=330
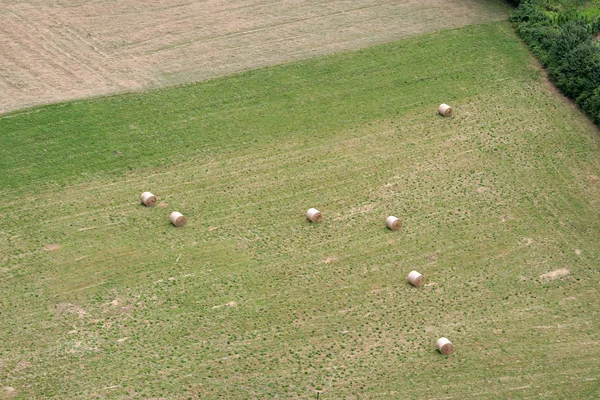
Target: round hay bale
x=177 y=219
x=148 y=199
x=393 y=223
x=314 y=215
x=445 y=110
x=415 y=278
x=445 y=346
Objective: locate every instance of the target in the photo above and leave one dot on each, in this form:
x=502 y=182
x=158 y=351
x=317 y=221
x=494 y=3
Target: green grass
x=68 y=142
x=589 y=8
x=131 y=307
x=591 y=11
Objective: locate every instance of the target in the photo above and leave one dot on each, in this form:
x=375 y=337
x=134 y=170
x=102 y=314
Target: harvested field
x=249 y=300
x=70 y=49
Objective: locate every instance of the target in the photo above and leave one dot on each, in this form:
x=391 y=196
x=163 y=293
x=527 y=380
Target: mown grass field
x=249 y=300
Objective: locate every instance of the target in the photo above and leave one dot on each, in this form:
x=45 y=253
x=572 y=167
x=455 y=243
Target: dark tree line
x=564 y=42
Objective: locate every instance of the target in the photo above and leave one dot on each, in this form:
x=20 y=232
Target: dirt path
x=56 y=50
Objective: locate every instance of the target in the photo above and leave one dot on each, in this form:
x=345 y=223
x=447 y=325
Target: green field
x=249 y=300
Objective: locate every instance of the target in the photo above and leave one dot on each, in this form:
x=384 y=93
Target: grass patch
x=250 y=300
x=73 y=142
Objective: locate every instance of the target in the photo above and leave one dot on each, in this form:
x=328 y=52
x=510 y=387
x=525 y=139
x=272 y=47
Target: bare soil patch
x=52 y=247
x=7 y=392
x=69 y=49
x=70 y=308
x=229 y=304
x=22 y=365
x=554 y=274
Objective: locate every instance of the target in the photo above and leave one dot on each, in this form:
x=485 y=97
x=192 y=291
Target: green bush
x=592 y=104
x=563 y=41
x=574 y=62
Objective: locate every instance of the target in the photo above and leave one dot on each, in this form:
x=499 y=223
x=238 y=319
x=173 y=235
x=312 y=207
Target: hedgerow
x=563 y=39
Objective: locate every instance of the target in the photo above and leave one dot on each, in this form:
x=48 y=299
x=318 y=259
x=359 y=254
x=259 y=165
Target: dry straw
x=444 y=346
x=177 y=219
x=314 y=215
x=393 y=223
x=415 y=278
x=148 y=199
x=445 y=110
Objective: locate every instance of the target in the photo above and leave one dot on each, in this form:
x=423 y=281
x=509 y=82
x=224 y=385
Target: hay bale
x=393 y=223
x=415 y=278
x=445 y=110
x=445 y=346
x=177 y=219
x=314 y=215
x=148 y=199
